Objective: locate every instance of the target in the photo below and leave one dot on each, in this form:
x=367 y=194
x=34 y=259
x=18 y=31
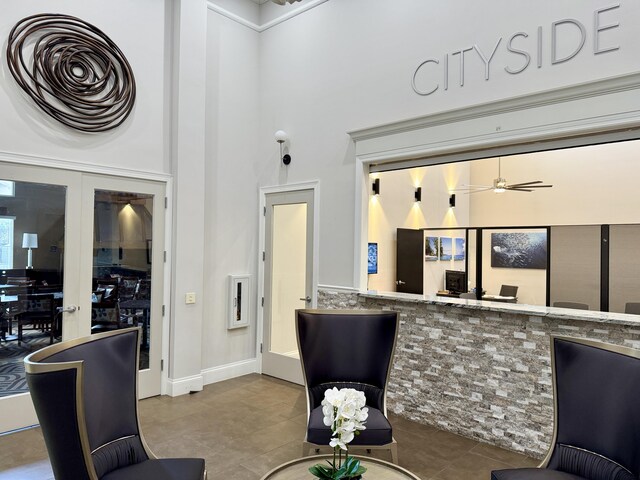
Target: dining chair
x=348 y=349
x=36 y=312
x=596 y=387
x=85 y=393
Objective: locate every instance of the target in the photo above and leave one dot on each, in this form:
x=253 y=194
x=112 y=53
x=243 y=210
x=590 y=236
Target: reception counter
x=481 y=369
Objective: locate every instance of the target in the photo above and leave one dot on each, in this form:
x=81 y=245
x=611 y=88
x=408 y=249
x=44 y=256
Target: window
x=7 y=188
x=6 y=242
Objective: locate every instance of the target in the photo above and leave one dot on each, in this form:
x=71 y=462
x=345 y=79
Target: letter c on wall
x=415 y=74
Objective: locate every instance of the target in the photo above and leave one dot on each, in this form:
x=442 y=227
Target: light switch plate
x=190 y=298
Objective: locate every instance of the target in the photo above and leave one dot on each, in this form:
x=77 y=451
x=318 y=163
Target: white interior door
x=288 y=279
x=45 y=204
x=72 y=248
x=125 y=231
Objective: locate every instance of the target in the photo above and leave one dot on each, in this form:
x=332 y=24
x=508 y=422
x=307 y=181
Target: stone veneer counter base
x=481 y=369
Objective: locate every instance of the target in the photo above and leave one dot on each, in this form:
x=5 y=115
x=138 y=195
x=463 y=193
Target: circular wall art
x=72 y=70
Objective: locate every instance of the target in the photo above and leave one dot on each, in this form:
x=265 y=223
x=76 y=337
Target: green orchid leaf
x=321 y=472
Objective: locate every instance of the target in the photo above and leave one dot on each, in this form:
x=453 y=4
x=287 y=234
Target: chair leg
x=394 y=452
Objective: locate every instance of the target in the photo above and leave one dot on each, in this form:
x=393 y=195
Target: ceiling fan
x=500 y=185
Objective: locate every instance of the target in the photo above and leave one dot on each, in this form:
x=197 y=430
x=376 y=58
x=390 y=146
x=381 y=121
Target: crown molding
x=265 y=26
x=63 y=164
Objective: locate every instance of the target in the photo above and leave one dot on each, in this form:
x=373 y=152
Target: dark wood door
x=409 y=261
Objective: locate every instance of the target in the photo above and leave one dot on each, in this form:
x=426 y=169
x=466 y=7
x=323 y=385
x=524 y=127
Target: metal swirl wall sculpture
x=72 y=70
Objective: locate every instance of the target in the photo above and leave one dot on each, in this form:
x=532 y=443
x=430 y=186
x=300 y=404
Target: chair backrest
x=574 y=305
x=508 y=291
x=596 y=391
x=40 y=304
x=469 y=296
x=85 y=395
x=632 y=307
x=127 y=288
x=347 y=348
x=105 y=312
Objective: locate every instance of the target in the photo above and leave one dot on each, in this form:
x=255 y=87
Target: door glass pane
x=121 y=290
x=32 y=226
x=289 y=250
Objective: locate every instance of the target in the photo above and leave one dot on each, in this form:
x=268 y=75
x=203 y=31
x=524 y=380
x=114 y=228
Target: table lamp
x=29 y=240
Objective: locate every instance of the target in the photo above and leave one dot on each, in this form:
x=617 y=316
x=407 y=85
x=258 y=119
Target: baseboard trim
x=230 y=370
x=184 y=385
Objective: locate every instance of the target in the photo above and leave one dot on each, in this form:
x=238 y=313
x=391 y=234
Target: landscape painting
x=519 y=250
x=431 y=249
x=460 y=249
x=446 y=248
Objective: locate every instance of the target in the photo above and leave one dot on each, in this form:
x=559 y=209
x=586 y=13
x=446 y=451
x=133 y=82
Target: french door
x=79 y=254
x=288 y=279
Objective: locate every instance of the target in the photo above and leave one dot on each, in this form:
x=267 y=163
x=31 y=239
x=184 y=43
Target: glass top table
x=376 y=469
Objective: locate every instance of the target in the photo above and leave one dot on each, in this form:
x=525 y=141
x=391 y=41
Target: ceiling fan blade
x=473 y=186
x=524 y=184
x=517 y=189
x=536 y=186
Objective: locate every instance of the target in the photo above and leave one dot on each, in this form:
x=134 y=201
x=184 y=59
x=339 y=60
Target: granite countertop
x=514 y=308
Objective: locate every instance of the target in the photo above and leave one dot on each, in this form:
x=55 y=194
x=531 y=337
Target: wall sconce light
x=418 y=194
x=29 y=240
x=375 y=188
x=281 y=137
x=452 y=200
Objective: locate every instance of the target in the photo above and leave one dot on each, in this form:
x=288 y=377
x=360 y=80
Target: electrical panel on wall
x=239 y=298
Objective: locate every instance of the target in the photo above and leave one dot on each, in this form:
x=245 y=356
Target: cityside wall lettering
x=425 y=77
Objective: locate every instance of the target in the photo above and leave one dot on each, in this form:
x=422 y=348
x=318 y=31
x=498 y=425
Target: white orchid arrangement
x=345 y=412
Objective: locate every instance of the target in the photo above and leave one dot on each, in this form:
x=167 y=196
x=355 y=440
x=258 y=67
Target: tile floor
x=246 y=426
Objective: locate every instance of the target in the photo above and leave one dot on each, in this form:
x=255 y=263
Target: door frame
x=38 y=161
x=314 y=186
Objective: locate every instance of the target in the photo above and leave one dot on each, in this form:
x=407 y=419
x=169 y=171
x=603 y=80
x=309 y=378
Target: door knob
x=67 y=309
x=400 y=282
x=306 y=299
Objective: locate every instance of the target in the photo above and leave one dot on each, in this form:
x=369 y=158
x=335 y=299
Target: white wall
x=138 y=28
x=340 y=66
x=591 y=185
x=396 y=207
x=334 y=69
x=233 y=171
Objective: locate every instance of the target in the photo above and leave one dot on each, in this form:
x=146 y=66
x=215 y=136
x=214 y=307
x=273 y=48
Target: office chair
x=348 y=349
x=508 y=291
x=85 y=394
x=596 y=387
x=574 y=305
x=632 y=307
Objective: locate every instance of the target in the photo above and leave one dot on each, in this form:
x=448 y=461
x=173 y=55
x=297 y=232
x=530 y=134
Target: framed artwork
x=446 y=248
x=431 y=249
x=372 y=258
x=459 y=249
x=519 y=250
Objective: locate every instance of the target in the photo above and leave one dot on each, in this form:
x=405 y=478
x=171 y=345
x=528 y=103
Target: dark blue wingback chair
x=85 y=395
x=348 y=349
x=596 y=434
